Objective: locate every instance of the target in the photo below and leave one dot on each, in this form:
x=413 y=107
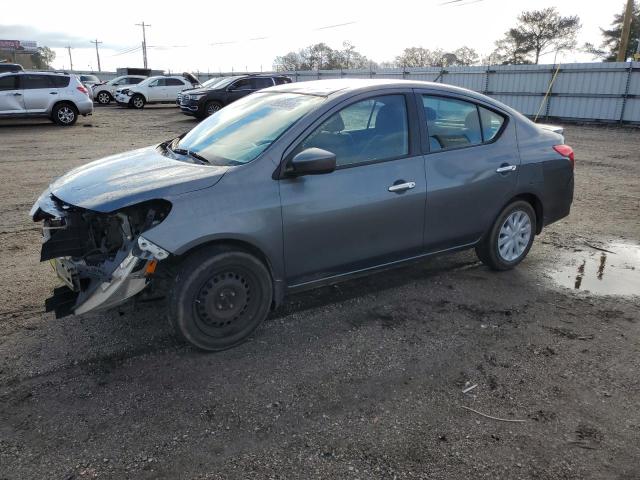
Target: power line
x=144 y=41
x=97 y=52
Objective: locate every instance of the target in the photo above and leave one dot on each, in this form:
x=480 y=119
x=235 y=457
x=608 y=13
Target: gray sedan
x=297 y=186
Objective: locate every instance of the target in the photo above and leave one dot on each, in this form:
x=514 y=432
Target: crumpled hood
x=132 y=177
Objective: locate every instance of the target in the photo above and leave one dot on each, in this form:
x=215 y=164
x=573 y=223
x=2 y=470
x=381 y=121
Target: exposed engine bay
x=101 y=257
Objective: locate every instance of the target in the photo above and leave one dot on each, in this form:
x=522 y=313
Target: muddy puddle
x=613 y=270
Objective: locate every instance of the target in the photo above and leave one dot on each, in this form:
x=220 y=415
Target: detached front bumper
x=128 y=279
x=93 y=280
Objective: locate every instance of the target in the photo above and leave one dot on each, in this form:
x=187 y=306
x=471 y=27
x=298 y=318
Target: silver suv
x=60 y=97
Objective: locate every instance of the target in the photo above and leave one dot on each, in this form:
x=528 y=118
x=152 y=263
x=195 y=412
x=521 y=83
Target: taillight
x=566 y=151
x=83 y=89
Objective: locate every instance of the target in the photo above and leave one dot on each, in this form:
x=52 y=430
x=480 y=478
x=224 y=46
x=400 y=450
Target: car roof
x=326 y=88
x=32 y=72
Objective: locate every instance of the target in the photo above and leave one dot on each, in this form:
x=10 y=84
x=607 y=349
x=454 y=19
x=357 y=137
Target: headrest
x=430 y=113
x=334 y=125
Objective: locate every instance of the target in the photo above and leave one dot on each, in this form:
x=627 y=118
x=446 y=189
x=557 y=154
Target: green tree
x=538 y=32
x=512 y=49
x=43 y=58
x=608 y=50
x=321 y=57
x=423 y=57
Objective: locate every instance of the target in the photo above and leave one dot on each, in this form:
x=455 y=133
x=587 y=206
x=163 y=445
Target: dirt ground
x=358 y=381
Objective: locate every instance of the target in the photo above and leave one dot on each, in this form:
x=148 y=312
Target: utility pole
x=68 y=47
x=97 y=52
x=144 y=41
x=626 y=30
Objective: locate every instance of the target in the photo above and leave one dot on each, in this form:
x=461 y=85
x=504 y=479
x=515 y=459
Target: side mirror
x=312 y=161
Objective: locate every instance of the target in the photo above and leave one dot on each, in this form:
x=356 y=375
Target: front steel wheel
x=219 y=298
x=509 y=240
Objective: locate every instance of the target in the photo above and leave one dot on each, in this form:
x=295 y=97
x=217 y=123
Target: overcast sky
x=213 y=36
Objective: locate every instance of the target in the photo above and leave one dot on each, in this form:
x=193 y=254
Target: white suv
x=60 y=97
x=103 y=93
x=160 y=89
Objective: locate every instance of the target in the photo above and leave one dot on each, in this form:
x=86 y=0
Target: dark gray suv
x=298 y=186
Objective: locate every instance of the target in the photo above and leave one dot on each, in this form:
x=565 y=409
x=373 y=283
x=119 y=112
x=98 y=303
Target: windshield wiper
x=189 y=153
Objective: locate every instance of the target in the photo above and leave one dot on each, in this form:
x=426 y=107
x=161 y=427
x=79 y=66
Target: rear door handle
x=17 y=94
x=506 y=168
x=53 y=93
x=402 y=187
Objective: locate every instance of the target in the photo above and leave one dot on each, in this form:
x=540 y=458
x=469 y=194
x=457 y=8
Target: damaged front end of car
x=102 y=258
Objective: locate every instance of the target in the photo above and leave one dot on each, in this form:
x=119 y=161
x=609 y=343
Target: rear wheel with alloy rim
x=64 y=114
x=219 y=298
x=510 y=237
x=104 y=98
x=137 y=101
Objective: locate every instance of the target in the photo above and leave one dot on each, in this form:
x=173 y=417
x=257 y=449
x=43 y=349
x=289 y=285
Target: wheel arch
x=535 y=202
x=64 y=102
x=139 y=94
x=243 y=246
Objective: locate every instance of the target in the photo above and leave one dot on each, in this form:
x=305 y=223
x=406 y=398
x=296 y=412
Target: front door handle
x=506 y=168
x=402 y=187
x=53 y=93
x=17 y=94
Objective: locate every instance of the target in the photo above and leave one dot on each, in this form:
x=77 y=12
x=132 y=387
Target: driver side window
x=370 y=130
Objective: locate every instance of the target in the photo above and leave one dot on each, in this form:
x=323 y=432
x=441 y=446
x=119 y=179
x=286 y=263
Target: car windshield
x=225 y=81
x=213 y=81
x=241 y=131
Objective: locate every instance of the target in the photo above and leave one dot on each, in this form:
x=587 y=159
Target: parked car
x=205 y=101
x=298 y=186
x=104 y=93
x=10 y=67
x=208 y=84
x=60 y=97
x=89 y=80
x=159 y=89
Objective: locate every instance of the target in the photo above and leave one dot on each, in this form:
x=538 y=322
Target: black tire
x=488 y=250
x=137 y=101
x=65 y=114
x=103 y=97
x=219 y=297
x=211 y=107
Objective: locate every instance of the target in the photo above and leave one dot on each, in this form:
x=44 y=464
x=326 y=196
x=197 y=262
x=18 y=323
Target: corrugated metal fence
x=603 y=92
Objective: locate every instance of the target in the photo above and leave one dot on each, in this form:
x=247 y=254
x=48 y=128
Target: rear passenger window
x=60 y=81
x=134 y=81
x=370 y=130
x=36 y=81
x=491 y=123
x=451 y=123
x=258 y=83
x=282 y=80
x=8 y=83
x=173 y=82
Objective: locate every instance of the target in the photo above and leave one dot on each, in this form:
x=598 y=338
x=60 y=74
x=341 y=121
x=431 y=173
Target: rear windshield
x=10 y=67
